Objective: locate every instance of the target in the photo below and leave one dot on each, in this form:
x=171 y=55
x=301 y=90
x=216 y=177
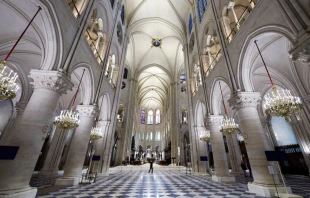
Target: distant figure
x=151 y=166
x=243 y=166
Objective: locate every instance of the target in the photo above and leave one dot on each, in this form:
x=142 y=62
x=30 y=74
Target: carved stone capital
x=214 y=120
x=87 y=110
x=245 y=99
x=52 y=80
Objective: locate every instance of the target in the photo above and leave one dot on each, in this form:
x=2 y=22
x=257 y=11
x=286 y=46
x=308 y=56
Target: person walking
x=243 y=166
x=151 y=166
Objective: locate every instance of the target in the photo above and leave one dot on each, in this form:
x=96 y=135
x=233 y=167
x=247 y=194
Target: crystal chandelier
x=69 y=119
x=95 y=133
x=8 y=87
x=228 y=125
x=279 y=103
x=205 y=135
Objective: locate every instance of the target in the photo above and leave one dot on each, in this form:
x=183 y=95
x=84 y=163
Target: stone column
x=202 y=151
x=99 y=147
x=19 y=110
x=234 y=154
x=51 y=163
x=218 y=148
x=245 y=104
x=28 y=132
x=78 y=147
x=174 y=123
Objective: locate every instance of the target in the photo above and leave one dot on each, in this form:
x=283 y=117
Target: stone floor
x=136 y=182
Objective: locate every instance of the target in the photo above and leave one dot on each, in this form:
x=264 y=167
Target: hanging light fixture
x=205 y=135
x=228 y=125
x=279 y=103
x=95 y=133
x=69 y=119
x=8 y=85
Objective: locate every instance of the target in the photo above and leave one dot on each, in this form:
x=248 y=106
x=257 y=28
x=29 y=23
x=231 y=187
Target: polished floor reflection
x=162 y=183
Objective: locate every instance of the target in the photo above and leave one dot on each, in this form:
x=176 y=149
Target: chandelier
x=279 y=103
x=69 y=119
x=8 y=87
x=205 y=135
x=228 y=125
x=95 y=133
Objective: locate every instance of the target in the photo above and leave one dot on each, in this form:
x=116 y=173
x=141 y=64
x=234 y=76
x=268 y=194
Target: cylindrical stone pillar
x=28 y=132
x=218 y=148
x=54 y=153
x=78 y=147
x=246 y=105
x=99 y=147
x=234 y=154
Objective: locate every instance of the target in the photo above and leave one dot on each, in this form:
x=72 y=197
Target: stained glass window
x=143 y=116
x=201 y=8
x=190 y=24
x=123 y=15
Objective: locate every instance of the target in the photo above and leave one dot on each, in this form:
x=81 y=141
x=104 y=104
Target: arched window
x=141 y=137
x=112 y=3
x=150 y=117
x=143 y=116
x=201 y=8
x=184 y=116
x=190 y=24
x=157 y=136
x=150 y=136
x=157 y=116
x=123 y=15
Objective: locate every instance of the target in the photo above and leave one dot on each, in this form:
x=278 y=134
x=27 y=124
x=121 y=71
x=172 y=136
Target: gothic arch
x=216 y=97
x=105 y=107
x=244 y=66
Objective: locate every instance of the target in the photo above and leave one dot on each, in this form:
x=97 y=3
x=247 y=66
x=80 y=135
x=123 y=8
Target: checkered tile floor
x=158 y=184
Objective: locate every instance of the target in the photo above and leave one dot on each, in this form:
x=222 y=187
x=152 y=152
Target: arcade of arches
x=154 y=76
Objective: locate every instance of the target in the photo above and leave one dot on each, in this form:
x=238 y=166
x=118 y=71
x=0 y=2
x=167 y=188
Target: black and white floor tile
x=158 y=184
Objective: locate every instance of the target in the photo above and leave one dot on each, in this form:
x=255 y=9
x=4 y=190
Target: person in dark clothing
x=243 y=166
x=151 y=166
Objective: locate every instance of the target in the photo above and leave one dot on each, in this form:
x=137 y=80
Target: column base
x=268 y=190
x=67 y=181
x=23 y=193
x=223 y=179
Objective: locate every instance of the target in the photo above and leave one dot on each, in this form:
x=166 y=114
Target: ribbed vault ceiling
x=156 y=68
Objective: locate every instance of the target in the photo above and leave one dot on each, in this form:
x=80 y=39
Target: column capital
x=214 y=120
x=244 y=99
x=87 y=110
x=52 y=80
